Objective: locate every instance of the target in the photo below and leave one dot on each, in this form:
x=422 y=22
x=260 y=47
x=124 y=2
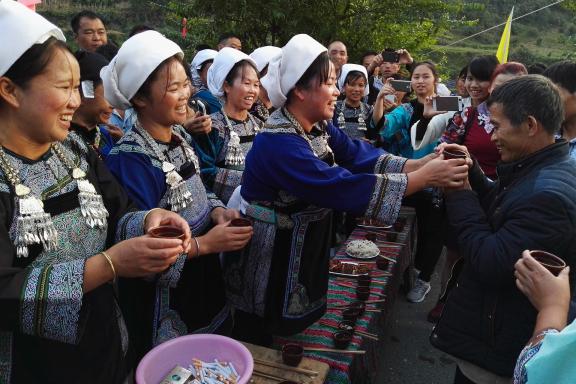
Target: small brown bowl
x=364 y=279
x=292 y=354
x=371 y=236
x=350 y=314
x=342 y=339
x=454 y=154
x=391 y=236
x=240 y=222
x=549 y=261
x=167 y=232
x=363 y=284
x=382 y=263
x=359 y=305
x=362 y=293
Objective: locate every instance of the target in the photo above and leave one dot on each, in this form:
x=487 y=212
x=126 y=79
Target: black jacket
x=487 y=320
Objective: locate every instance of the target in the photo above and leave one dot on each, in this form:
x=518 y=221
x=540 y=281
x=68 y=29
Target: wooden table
x=275 y=357
x=359 y=369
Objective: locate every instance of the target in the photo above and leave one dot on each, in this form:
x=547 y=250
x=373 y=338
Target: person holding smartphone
x=388 y=63
x=396 y=140
x=396 y=124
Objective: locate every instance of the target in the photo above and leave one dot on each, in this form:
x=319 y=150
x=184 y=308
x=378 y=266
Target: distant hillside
x=546 y=36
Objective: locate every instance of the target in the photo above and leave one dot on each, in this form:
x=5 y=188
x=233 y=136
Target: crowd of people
x=100 y=146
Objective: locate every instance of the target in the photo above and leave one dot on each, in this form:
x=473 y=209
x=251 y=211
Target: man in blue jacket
x=487 y=320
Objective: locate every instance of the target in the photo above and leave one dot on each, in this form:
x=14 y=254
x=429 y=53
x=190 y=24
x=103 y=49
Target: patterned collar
x=484 y=117
x=281 y=121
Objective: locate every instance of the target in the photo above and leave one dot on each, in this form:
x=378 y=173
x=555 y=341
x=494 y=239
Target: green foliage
x=425 y=27
x=361 y=24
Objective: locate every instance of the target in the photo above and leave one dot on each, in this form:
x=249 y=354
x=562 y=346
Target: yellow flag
x=504 y=46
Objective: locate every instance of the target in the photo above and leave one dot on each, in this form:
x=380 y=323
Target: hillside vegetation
x=546 y=36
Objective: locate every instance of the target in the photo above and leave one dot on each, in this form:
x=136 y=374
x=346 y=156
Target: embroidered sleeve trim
x=52 y=300
x=213 y=201
x=389 y=164
x=387 y=197
x=130 y=225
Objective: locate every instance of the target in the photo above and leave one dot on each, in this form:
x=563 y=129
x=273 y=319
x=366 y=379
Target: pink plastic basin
x=180 y=351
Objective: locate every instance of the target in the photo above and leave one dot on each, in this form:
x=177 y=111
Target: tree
x=361 y=24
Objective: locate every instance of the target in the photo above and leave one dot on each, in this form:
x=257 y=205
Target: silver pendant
x=179 y=197
x=234 y=154
x=33 y=226
x=91 y=205
x=341 y=120
x=361 y=124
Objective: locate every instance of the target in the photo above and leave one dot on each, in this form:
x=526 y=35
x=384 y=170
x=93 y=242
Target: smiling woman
x=61 y=213
x=299 y=169
x=352 y=114
x=233 y=76
x=158 y=168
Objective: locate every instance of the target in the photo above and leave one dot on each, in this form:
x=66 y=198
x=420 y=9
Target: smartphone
x=198 y=106
x=401 y=85
x=447 y=103
x=390 y=56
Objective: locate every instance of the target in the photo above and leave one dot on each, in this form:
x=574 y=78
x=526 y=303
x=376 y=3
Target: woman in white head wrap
x=199 y=72
x=234 y=78
x=62 y=211
x=262 y=56
x=299 y=169
x=352 y=114
x=158 y=168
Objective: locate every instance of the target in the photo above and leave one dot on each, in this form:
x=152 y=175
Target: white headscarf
x=137 y=58
x=346 y=69
x=223 y=63
x=20 y=29
x=286 y=69
x=263 y=55
x=196 y=64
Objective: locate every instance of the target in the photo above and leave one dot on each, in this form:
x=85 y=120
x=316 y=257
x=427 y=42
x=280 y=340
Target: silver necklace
x=179 y=196
x=361 y=121
x=234 y=154
x=33 y=224
x=300 y=131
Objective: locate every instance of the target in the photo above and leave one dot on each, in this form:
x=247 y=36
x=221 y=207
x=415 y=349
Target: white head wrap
x=286 y=69
x=223 y=63
x=346 y=69
x=200 y=58
x=263 y=55
x=137 y=58
x=21 y=28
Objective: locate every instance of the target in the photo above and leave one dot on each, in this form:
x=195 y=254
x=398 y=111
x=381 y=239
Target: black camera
x=390 y=56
